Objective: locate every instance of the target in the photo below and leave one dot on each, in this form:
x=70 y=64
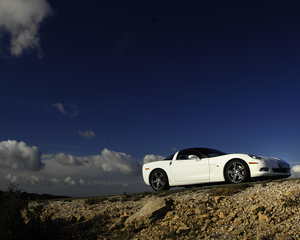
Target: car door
x=184 y=169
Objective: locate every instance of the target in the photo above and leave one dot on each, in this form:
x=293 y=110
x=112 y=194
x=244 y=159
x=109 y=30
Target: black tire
x=159 y=180
x=236 y=171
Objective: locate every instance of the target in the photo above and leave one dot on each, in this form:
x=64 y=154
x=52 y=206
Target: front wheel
x=236 y=171
x=159 y=180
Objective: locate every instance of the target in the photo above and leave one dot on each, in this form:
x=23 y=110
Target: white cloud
x=108 y=173
x=152 y=158
x=17 y=155
x=296 y=171
x=68 y=160
x=107 y=162
x=11 y=178
x=32 y=179
x=69 y=181
x=21 y=19
x=72 y=110
x=105 y=138
x=59 y=107
x=36 y=180
x=55 y=181
x=110 y=161
x=81 y=182
x=87 y=134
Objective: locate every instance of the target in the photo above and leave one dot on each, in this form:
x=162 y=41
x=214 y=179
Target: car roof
x=200 y=149
x=204 y=151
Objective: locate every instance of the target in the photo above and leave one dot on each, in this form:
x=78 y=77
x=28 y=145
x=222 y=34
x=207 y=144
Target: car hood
x=271 y=159
x=262 y=158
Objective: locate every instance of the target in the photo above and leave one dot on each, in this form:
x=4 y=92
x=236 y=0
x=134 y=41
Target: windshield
x=170 y=157
x=211 y=152
x=205 y=152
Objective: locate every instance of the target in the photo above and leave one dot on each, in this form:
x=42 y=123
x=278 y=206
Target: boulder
x=153 y=210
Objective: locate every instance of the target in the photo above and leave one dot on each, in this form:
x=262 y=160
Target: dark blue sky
x=148 y=77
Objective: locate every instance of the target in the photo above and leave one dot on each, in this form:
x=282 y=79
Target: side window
x=184 y=155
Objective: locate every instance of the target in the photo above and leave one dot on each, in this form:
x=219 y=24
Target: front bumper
x=271 y=169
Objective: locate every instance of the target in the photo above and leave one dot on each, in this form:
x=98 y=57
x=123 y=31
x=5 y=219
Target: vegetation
x=35 y=196
x=11 y=220
x=292 y=201
x=122 y=198
x=260 y=209
x=94 y=200
x=13 y=224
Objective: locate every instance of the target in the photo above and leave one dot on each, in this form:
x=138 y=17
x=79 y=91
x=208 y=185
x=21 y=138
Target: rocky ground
x=263 y=210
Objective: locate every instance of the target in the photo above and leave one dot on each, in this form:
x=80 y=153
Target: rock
x=269 y=209
x=183 y=227
x=253 y=208
x=205 y=216
x=237 y=222
x=118 y=224
x=237 y=232
x=168 y=215
x=227 y=219
x=285 y=237
x=262 y=217
x=251 y=196
x=201 y=209
x=217 y=199
x=72 y=219
x=151 y=211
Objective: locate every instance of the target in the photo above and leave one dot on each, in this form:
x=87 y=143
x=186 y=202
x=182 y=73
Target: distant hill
x=35 y=196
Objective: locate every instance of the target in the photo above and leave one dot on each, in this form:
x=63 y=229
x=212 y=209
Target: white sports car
x=193 y=166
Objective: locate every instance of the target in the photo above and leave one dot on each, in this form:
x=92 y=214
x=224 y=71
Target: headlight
x=255 y=157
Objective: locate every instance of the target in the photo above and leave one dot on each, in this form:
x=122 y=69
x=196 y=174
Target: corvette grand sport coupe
x=194 y=166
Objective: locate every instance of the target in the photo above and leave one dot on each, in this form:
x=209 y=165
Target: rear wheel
x=159 y=180
x=236 y=171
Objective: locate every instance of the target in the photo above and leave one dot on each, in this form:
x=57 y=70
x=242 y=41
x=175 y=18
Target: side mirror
x=194 y=157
